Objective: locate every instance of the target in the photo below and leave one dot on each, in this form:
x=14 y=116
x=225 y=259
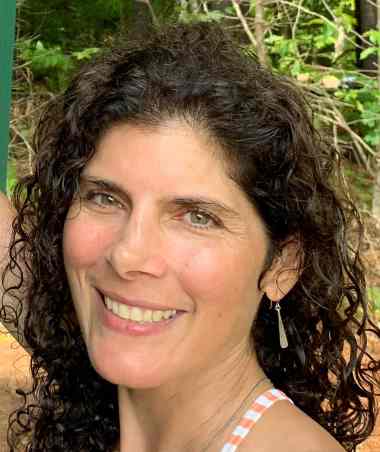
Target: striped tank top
x=259 y=406
x=254 y=413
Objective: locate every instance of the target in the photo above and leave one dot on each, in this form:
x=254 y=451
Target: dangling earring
x=281 y=328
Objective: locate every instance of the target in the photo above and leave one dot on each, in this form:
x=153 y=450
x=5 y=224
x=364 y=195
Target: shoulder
x=7 y=215
x=307 y=434
x=286 y=428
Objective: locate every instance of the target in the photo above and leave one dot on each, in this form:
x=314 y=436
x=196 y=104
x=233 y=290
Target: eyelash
x=216 y=222
x=91 y=195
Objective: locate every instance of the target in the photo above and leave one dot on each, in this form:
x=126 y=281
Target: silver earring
x=281 y=328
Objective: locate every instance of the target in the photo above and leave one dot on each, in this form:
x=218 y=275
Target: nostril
x=129 y=264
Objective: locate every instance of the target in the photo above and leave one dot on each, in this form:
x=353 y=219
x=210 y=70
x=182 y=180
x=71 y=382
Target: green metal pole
x=7 y=38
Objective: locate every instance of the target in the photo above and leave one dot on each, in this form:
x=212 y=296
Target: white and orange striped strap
x=259 y=406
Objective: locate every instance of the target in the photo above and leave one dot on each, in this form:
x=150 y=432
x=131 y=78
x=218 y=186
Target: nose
x=136 y=249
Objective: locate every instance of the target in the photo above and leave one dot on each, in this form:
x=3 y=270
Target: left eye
x=200 y=219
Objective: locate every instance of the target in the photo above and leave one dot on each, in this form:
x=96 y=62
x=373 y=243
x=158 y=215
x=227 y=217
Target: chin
x=129 y=373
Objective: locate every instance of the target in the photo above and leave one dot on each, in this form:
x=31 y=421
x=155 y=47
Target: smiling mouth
x=137 y=314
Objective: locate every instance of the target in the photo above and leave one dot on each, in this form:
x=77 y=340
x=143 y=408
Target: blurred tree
x=327 y=45
x=72 y=25
x=376 y=189
x=366 y=16
x=138 y=16
x=260 y=32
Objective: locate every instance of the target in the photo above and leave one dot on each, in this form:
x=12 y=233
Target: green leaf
x=296 y=68
x=373 y=36
x=86 y=54
x=366 y=52
x=374 y=296
x=315 y=22
x=372 y=138
x=39 y=46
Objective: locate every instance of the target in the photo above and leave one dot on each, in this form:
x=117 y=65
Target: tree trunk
x=366 y=17
x=260 y=32
x=135 y=17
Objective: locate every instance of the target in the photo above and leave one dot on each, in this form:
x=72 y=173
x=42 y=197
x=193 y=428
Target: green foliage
x=360 y=184
x=327 y=36
x=186 y=16
x=11 y=176
x=85 y=54
x=284 y=54
x=319 y=48
x=362 y=108
x=312 y=41
x=187 y=13
x=374 y=296
x=49 y=63
x=374 y=37
x=71 y=25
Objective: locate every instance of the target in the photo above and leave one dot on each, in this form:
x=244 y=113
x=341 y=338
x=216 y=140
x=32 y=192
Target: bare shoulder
x=6 y=217
x=312 y=437
x=6 y=210
x=285 y=428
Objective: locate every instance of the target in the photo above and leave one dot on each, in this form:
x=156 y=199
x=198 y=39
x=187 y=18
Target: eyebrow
x=200 y=202
x=105 y=185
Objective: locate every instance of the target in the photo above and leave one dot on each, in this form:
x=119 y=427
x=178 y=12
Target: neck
x=186 y=415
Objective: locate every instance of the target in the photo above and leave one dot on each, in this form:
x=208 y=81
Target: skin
x=7 y=215
x=138 y=231
x=6 y=218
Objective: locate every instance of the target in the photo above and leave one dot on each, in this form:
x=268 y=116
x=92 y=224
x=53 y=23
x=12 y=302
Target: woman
x=188 y=253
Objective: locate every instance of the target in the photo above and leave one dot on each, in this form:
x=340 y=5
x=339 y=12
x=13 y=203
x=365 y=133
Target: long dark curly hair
x=195 y=73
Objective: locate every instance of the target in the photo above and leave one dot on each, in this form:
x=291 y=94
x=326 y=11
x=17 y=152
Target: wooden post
x=7 y=38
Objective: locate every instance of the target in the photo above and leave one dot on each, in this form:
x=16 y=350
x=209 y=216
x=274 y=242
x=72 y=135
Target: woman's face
x=159 y=230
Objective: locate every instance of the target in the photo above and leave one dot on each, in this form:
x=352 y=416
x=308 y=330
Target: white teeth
x=148 y=315
x=168 y=314
x=115 y=307
x=137 y=314
x=157 y=315
x=124 y=311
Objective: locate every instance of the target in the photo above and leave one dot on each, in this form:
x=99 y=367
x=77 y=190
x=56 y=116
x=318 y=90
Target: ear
x=284 y=272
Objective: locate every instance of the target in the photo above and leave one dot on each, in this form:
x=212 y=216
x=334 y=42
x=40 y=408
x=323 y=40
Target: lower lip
x=131 y=328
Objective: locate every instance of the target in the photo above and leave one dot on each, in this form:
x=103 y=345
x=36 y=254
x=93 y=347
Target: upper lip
x=136 y=302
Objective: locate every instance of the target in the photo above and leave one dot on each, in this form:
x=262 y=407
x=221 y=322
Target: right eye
x=102 y=199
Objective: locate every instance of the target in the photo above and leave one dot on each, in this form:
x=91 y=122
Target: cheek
x=83 y=248
x=222 y=284
x=83 y=242
x=217 y=275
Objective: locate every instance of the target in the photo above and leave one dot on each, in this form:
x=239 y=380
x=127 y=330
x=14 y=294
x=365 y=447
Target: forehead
x=166 y=162
x=172 y=153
